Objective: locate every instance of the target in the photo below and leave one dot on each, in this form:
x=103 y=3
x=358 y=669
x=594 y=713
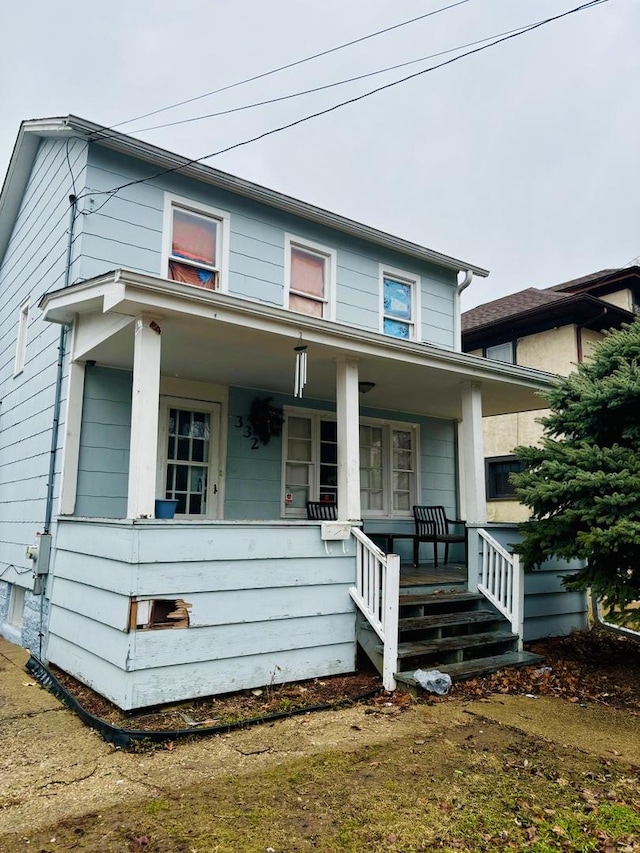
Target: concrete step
x=472 y=668
x=445 y=620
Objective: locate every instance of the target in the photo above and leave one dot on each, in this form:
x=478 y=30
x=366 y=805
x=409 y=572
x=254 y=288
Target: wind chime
x=300 y=378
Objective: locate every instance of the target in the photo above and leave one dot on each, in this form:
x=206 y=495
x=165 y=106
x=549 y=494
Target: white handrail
x=377 y=595
x=501 y=581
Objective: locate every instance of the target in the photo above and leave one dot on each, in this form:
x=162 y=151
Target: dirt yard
x=549 y=763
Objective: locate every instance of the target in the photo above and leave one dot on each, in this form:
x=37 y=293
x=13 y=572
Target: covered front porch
x=255 y=592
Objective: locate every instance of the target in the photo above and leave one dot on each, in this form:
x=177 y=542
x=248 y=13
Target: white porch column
x=143 y=455
x=71 y=442
x=348 y=417
x=474 y=503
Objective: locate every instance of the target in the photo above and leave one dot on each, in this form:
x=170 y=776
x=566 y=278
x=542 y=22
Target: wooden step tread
x=439 y=597
x=443 y=644
x=475 y=668
x=443 y=620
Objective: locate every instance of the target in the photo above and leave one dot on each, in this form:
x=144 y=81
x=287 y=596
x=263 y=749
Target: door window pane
x=188 y=449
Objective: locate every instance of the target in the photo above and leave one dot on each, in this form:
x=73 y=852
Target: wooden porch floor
x=427 y=574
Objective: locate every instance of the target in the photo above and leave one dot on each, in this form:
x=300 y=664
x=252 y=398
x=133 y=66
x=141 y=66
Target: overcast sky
x=524 y=158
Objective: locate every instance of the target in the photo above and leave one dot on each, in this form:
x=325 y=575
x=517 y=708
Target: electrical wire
x=112 y=192
x=293 y=64
x=329 y=85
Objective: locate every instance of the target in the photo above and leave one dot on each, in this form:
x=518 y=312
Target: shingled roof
x=508 y=306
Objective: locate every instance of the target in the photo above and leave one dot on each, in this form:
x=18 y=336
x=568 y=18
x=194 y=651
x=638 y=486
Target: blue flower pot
x=165 y=508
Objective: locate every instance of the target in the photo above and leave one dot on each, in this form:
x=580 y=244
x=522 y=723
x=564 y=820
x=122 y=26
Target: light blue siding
x=103 y=465
x=33 y=263
x=127 y=232
x=285 y=616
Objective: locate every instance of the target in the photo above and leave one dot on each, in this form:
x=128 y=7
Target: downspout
x=579 y=342
x=457 y=321
x=48 y=513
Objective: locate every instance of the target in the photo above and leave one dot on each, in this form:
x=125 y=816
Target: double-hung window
x=388 y=459
x=196 y=243
x=310 y=271
x=399 y=292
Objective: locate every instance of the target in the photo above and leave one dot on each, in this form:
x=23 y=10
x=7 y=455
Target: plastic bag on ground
x=433 y=680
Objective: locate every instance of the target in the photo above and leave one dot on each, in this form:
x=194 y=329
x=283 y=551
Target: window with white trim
x=196 y=243
x=21 y=342
x=388 y=460
x=309 y=277
x=399 y=293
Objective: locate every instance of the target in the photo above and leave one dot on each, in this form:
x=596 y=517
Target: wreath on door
x=265 y=419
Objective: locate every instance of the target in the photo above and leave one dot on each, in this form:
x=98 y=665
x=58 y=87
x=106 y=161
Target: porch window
x=196 y=239
x=399 y=293
x=498 y=476
x=388 y=454
x=309 y=277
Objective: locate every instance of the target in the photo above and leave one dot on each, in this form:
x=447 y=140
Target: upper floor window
x=310 y=272
x=196 y=244
x=21 y=343
x=501 y=352
x=399 y=293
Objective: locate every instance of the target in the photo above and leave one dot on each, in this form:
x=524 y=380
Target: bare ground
x=489 y=768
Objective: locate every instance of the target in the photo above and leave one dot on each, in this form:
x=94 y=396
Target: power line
x=339 y=105
x=329 y=85
x=293 y=64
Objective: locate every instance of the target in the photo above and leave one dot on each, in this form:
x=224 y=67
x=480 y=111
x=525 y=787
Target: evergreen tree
x=583 y=483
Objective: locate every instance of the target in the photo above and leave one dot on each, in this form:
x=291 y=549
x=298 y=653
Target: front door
x=189 y=467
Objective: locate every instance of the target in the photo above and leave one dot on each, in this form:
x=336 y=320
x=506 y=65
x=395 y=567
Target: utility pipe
x=457 y=320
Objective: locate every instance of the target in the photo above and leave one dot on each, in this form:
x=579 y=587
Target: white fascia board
x=132 y=293
x=15 y=184
x=163 y=159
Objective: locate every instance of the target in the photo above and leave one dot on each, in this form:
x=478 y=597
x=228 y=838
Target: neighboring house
x=149 y=340
x=552 y=329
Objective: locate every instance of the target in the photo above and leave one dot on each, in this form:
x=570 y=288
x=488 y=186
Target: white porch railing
x=377 y=594
x=501 y=581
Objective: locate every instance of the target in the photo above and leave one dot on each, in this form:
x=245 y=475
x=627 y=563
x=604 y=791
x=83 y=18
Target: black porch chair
x=322 y=511
x=432 y=525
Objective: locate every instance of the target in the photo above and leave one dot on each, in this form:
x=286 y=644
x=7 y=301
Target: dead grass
x=484 y=787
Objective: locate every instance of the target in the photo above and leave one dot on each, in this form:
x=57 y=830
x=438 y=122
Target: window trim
x=21 y=339
x=488 y=462
x=387 y=424
x=214 y=500
x=173 y=202
x=292 y=241
x=415 y=282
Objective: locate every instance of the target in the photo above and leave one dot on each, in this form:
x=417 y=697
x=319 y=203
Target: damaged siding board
x=239 y=606
x=225 y=676
x=154 y=649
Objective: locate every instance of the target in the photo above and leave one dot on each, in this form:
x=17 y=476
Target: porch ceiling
x=220 y=339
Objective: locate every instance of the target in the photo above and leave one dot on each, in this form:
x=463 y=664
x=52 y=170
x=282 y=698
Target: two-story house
x=172 y=332
x=551 y=329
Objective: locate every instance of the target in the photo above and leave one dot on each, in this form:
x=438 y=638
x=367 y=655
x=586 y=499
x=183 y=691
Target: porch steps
x=459 y=633
x=471 y=669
